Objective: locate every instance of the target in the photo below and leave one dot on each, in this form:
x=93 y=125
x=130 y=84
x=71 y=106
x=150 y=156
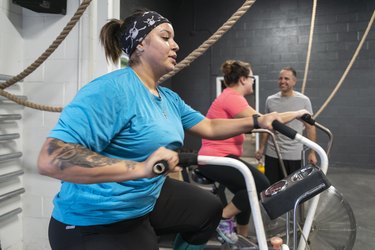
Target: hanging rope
x=348 y=68
x=185 y=62
x=312 y=25
x=210 y=41
x=81 y=9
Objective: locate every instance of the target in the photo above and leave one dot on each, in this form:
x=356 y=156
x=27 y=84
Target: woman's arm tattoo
x=67 y=155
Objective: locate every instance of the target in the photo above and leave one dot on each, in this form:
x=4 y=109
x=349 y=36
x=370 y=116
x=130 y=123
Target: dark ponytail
x=110 y=39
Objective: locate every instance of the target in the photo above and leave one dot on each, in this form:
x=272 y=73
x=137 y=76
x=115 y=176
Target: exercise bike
x=334 y=225
x=295 y=189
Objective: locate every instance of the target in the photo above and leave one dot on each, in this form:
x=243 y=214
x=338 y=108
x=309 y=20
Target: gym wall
x=274 y=34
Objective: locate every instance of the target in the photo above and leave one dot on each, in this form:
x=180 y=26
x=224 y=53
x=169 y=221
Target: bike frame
x=315 y=200
x=252 y=192
x=162 y=166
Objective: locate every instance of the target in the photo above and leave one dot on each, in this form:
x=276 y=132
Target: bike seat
x=199 y=178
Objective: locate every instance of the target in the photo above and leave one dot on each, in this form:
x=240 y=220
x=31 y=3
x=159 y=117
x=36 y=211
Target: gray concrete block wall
x=274 y=34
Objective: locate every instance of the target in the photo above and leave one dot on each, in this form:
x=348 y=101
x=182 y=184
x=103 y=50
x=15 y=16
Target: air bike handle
x=307 y=118
x=188 y=159
x=283 y=129
x=184 y=160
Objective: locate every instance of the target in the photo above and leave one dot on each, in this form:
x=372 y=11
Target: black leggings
x=181 y=208
x=273 y=168
x=232 y=179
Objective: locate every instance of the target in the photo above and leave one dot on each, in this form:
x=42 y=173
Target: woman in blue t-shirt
x=109 y=137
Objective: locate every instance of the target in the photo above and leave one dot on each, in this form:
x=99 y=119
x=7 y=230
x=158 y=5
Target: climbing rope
x=210 y=41
x=312 y=25
x=81 y=9
x=348 y=67
x=184 y=63
x=338 y=85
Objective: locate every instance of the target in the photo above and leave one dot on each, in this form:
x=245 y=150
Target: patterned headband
x=138 y=30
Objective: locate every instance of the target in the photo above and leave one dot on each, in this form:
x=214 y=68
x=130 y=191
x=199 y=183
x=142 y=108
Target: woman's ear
x=242 y=80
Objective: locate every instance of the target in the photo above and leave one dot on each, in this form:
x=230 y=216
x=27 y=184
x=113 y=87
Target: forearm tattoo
x=67 y=155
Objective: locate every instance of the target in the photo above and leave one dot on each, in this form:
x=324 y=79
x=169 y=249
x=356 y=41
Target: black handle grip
x=160 y=167
x=187 y=159
x=307 y=118
x=184 y=160
x=284 y=129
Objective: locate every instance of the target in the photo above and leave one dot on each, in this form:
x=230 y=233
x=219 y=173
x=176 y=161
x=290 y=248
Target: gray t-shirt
x=289 y=149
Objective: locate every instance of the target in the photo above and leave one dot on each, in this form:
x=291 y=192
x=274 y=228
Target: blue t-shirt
x=116 y=116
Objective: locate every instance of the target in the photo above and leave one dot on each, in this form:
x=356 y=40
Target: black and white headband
x=138 y=30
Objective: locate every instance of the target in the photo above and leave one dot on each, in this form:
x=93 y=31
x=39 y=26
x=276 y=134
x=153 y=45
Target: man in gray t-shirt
x=286 y=100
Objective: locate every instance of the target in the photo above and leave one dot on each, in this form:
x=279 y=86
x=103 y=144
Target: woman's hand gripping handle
x=184 y=160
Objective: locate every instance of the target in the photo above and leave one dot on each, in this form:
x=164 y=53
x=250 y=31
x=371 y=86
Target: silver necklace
x=160 y=104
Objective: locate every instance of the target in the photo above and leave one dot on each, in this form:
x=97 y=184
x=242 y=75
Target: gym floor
x=356 y=186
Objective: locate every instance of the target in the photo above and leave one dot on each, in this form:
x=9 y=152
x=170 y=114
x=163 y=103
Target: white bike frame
x=253 y=196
